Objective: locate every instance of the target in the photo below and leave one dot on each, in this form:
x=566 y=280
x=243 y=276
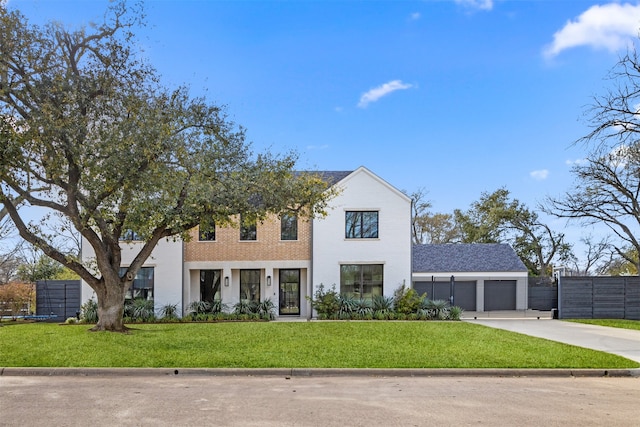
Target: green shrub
x=455 y=313
x=71 y=321
x=326 y=303
x=407 y=300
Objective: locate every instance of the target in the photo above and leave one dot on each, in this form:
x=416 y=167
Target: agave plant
x=89 y=311
x=348 y=305
x=382 y=304
x=244 y=306
x=140 y=310
x=266 y=309
x=217 y=306
x=438 y=307
x=199 y=307
x=363 y=308
x=169 y=311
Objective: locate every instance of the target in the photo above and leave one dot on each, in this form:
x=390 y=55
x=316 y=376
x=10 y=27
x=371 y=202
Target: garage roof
x=466 y=257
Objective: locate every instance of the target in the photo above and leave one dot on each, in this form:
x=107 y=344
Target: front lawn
x=293 y=345
x=614 y=323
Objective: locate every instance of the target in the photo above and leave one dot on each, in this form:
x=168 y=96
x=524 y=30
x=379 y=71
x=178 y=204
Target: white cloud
x=415 y=16
x=539 y=175
x=576 y=162
x=378 y=92
x=611 y=26
x=317 y=147
x=476 y=4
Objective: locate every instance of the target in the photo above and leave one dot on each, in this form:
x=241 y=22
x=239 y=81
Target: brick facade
x=268 y=246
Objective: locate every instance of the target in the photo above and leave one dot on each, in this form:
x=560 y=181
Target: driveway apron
x=623 y=342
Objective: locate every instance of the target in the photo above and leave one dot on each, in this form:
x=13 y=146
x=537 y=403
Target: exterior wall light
x=268 y=280
x=226 y=281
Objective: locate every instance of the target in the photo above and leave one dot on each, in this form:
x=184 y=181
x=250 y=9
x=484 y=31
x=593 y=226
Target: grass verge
x=614 y=323
x=293 y=345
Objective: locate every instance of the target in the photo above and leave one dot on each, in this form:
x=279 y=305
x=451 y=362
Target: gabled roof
x=332 y=177
x=466 y=257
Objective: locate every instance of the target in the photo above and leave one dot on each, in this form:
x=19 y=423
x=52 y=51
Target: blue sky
x=456 y=97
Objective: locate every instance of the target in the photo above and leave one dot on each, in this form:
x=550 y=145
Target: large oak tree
x=88 y=132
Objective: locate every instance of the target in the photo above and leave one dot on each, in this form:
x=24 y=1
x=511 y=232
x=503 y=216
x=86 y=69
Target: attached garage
x=487 y=277
x=499 y=295
x=464 y=292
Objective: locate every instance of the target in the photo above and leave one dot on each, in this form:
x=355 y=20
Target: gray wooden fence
x=599 y=297
x=59 y=299
x=542 y=296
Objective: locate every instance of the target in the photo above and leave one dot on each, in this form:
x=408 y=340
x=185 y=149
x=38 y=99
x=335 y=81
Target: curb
x=320 y=372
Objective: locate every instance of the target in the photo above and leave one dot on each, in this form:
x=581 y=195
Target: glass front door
x=290 y=292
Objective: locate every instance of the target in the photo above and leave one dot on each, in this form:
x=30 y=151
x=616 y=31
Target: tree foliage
x=428 y=227
x=607 y=183
x=497 y=218
x=88 y=131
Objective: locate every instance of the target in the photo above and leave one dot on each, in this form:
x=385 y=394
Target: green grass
x=293 y=345
x=614 y=323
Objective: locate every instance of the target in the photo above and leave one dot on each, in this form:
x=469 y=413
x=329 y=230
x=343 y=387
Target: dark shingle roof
x=330 y=177
x=466 y=257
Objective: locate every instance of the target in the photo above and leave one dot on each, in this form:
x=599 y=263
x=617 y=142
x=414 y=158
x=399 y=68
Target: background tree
x=87 y=131
x=428 y=227
x=596 y=260
x=607 y=185
x=496 y=218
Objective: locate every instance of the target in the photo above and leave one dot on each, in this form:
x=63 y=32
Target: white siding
x=166 y=260
x=362 y=190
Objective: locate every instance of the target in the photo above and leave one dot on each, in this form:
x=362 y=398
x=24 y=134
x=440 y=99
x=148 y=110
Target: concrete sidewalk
x=623 y=342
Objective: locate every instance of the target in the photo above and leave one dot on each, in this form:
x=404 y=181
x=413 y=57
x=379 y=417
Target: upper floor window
x=289 y=227
x=130 y=235
x=361 y=224
x=248 y=229
x=207 y=231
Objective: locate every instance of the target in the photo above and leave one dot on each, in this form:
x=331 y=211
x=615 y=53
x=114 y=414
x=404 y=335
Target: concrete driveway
x=623 y=342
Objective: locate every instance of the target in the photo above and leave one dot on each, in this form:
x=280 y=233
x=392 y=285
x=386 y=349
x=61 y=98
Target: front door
x=290 y=292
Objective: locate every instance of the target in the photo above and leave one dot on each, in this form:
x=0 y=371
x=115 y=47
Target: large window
x=289 y=227
x=250 y=285
x=207 y=231
x=361 y=224
x=248 y=229
x=361 y=281
x=142 y=286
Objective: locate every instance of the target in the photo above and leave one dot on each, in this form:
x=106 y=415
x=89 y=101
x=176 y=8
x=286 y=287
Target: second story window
x=248 y=229
x=361 y=224
x=289 y=227
x=130 y=236
x=207 y=230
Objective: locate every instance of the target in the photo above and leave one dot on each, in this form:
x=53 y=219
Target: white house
x=363 y=246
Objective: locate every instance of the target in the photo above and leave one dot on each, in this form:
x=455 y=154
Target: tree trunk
x=111 y=308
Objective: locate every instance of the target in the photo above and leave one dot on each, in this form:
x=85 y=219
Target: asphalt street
x=317 y=401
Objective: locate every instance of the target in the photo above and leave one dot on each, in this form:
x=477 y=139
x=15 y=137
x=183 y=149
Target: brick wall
x=268 y=246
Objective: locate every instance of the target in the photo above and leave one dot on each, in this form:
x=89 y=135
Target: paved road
x=333 y=401
x=623 y=342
